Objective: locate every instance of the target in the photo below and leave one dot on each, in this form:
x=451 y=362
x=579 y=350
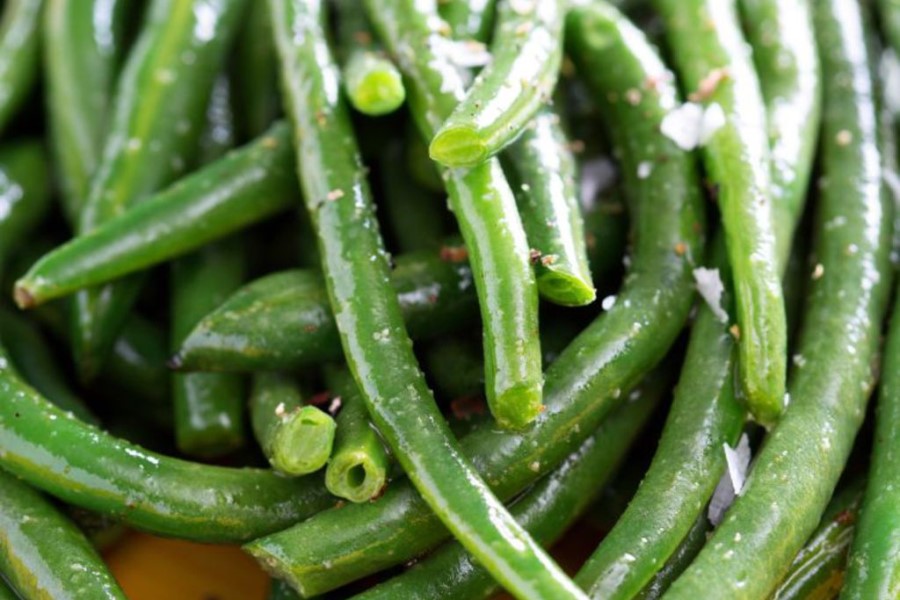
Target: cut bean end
x=303 y=442
x=23 y=295
x=379 y=93
x=458 y=147
x=565 y=288
x=354 y=476
x=517 y=407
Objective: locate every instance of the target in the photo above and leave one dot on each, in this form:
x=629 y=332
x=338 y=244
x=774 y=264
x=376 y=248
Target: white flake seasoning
x=690 y=125
x=709 y=284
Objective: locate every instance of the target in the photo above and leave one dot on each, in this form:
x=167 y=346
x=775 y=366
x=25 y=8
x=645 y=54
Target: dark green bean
x=874 y=567
x=547 y=510
x=469 y=19
x=422 y=169
x=376 y=345
x=547 y=191
x=679 y=560
x=24 y=194
x=505 y=96
x=90 y=468
x=219 y=135
x=43 y=554
x=284 y=321
x=373 y=84
x=209 y=407
x=160 y=101
x=590 y=377
x=82 y=47
x=799 y=465
x=295 y=437
x=254 y=72
x=19 y=49
x=889 y=13
x=455 y=366
x=244 y=187
x=358 y=467
x=714 y=63
x=485 y=210
x=817 y=572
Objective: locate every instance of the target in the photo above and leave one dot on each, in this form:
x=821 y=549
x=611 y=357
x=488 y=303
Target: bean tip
x=23 y=297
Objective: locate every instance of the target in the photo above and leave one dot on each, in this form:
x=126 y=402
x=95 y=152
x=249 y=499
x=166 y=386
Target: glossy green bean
x=526 y=56
x=209 y=407
x=798 y=467
x=873 y=570
x=373 y=336
x=24 y=194
x=295 y=437
x=43 y=555
x=469 y=19
x=679 y=560
x=284 y=321
x=817 y=572
x=33 y=360
x=373 y=84
x=244 y=187
x=20 y=42
x=219 y=134
x=87 y=467
x=485 y=210
x=358 y=467
x=714 y=63
x=82 y=47
x=254 y=72
x=547 y=510
x=589 y=378
x=705 y=413
x=153 y=134
x=547 y=191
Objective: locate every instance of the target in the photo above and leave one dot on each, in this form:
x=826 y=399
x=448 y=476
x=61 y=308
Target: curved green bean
x=284 y=321
x=82 y=43
x=367 y=313
x=799 y=465
x=358 y=467
x=817 y=572
x=546 y=511
x=43 y=555
x=153 y=134
x=20 y=43
x=710 y=53
x=245 y=186
x=589 y=378
x=505 y=96
x=295 y=437
x=485 y=210
x=87 y=467
x=547 y=192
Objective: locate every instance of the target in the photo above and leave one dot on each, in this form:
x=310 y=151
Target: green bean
x=455 y=366
x=284 y=321
x=505 y=96
x=6 y=593
x=295 y=437
x=218 y=136
x=244 y=187
x=82 y=44
x=705 y=414
x=817 y=572
x=713 y=61
x=798 y=467
x=255 y=74
x=19 y=49
x=422 y=169
x=784 y=52
x=606 y=235
x=547 y=510
x=889 y=13
x=414 y=215
x=373 y=336
x=358 y=467
x=102 y=531
x=43 y=554
x=85 y=466
x=32 y=359
x=589 y=378
x=679 y=560
x=548 y=201
x=152 y=135
x=485 y=210
x=874 y=566
x=24 y=194
x=209 y=407
x=469 y=19
x=373 y=84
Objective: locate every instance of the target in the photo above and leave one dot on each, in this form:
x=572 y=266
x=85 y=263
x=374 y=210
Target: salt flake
x=709 y=284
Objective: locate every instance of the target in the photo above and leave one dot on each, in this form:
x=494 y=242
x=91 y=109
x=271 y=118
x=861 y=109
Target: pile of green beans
x=389 y=292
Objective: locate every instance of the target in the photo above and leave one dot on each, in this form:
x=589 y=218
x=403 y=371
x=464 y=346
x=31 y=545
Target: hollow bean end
x=565 y=288
x=303 y=442
x=516 y=407
x=355 y=476
x=378 y=93
x=458 y=146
